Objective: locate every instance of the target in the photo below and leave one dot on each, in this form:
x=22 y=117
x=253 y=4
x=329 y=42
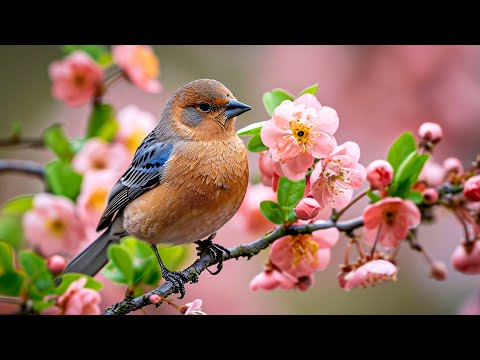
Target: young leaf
x=272 y=211
x=255 y=144
x=32 y=263
x=112 y=273
x=172 y=256
x=373 y=196
x=400 y=149
x=415 y=196
x=274 y=98
x=40 y=305
x=122 y=260
x=99 y=53
x=77 y=144
x=11 y=230
x=410 y=174
x=6 y=258
x=40 y=280
x=102 y=123
x=56 y=140
x=309 y=90
x=252 y=129
x=62 y=179
x=18 y=205
x=69 y=278
x=11 y=283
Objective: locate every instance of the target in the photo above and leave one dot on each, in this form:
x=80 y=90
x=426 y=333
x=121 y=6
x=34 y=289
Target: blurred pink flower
x=134 y=125
x=430 y=195
x=140 y=64
x=430 y=131
x=78 y=300
x=379 y=174
x=452 y=164
x=76 y=78
x=270 y=279
x=395 y=216
x=307 y=208
x=193 y=308
x=471 y=189
x=93 y=197
x=98 y=155
x=250 y=212
x=467 y=262
x=301 y=255
x=335 y=177
x=471 y=305
x=432 y=173
x=369 y=274
x=52 y=225
x=438 y=271
x=56 y=264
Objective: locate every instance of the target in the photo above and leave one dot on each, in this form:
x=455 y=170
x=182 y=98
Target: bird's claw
x=177 y=279
x=216 y=251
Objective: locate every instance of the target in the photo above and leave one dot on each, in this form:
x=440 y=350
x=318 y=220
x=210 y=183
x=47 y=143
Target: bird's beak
x=235 y=108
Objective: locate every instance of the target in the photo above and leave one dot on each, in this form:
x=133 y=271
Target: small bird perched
x=187 y=179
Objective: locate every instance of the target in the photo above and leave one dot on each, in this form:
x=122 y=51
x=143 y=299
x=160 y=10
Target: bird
x=188 y=177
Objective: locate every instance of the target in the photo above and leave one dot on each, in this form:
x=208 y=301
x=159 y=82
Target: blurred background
x=378 y=92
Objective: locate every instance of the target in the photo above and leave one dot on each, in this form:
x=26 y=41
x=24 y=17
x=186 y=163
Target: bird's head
x=205 y=109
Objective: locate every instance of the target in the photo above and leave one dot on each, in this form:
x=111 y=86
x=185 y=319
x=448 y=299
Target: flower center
x=373 y=279
x=99 y=163
x=56 y=227
x=389 y=217
x=98 y=199
x=304 y=248
x=147 y=61
x=135 y=139
x=79 y=80
x=301 y=133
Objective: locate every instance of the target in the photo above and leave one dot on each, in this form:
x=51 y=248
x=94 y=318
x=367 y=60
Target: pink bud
x=430 y=131
x=307 y=208
x=438 y=271
x=471 y=189
x=305 y=282
x=265 y=165
x=379 y=174
x=56 y=264
x=430 y=196
x=467 y=262
x=452 y=164
x=154 y=299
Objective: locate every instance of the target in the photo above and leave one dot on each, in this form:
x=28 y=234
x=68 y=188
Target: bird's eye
x=204 y=106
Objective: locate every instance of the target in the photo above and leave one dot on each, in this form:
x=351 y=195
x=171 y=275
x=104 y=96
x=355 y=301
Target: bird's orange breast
x=203 y=187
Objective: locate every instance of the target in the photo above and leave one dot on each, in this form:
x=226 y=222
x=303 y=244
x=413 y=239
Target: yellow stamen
x=305 y=248
x=98 y=199
x=301 y=132
x=57 y=227
x=147 y=61
x=134 y=140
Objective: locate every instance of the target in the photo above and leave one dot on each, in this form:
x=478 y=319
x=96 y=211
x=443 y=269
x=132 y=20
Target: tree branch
x=193 y=272
x=22 y=166
x=22 y=142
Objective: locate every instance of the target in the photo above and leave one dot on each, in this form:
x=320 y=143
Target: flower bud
x=438 y=271
x=431 y=132
x=56 y=264
x=467 y=262
x=452 y=164
x=154 y=299
x=379 y=174
x=430 y=196
x=265 y=165
x=307 y=208
x=471 y=189
x=305 y=283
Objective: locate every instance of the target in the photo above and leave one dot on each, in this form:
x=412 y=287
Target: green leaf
x=77 y=144
x=415 y=196
x=62 y=179
x=400 y=149
x=40 y=279
x=274 y=98
x=18 y=205
x=56 y=140
x=102 y=123
x=252 y=129
x=11 y=284
x=40 y=305
x=172 y=256
x=373 y=196
x=255 y=144
x=6 y=258
x=32 y=263
x=122 y=260
x=69 y=278
x=272 y=211
x=143 y=258
x=15 y=130
x=155 y=275
x=113 y=273
x=99 y=53
x=11 y=230
x=309 y=90
x=288 y=195
x=408 y=174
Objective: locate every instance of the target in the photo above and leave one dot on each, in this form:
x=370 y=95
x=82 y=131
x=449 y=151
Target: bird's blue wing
x=145 y=172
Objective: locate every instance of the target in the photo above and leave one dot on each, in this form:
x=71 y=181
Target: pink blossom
x=266 y=167
x=307 y=208
x=334 y=178
x=193 y=308
x=140 y=65
x=471 y=189
x=467 y=262
x=379 y=174
x=369 y=274
x=305 y=282
x=93 y=196
x=134 y=125
x=52 y=225
x=270 y=279
x=56 y=264
x=301 y=255
x=430 y=196
x=432 y=173
x=430 y=131
x=98 y=155
x=294 y=169
x=78 y=300
x=395 y=216
x=250 y=212
x=452 y=164
x=76 y=78
x=438 y=271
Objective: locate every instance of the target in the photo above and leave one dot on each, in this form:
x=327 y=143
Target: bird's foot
x=216 y=251
x=177 y=279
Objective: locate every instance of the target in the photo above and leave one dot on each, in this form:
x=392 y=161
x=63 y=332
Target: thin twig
x=22 y=142
x=22 y=167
